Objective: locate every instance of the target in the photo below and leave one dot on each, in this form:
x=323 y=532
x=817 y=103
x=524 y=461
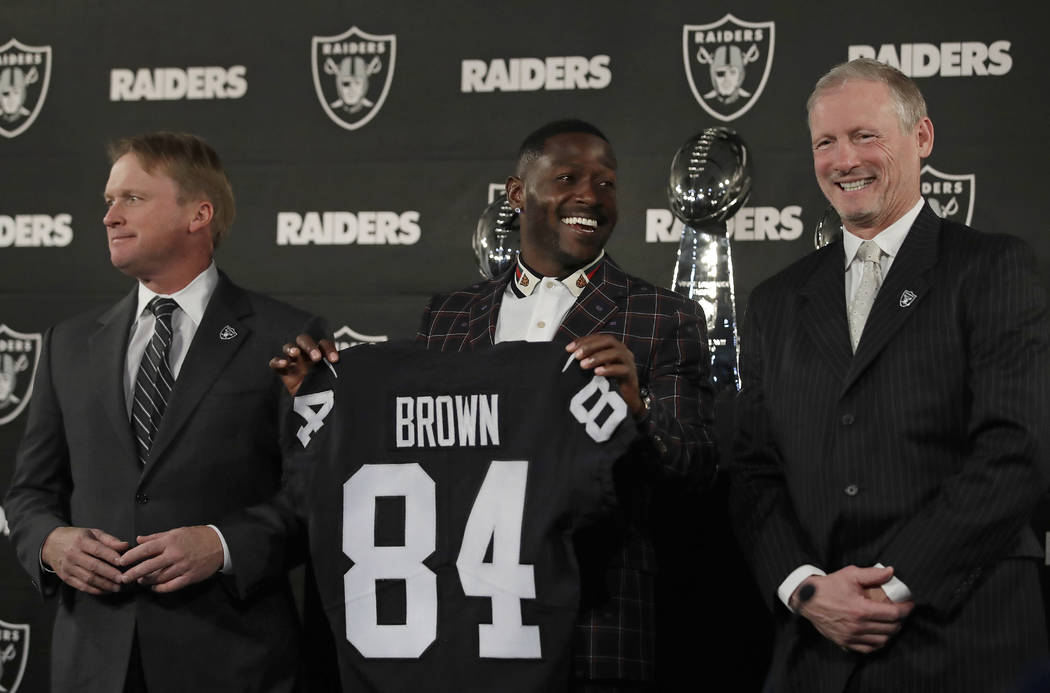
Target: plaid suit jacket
x=667 y=334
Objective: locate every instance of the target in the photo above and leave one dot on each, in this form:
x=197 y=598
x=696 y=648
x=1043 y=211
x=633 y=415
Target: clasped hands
x=850 y=608
x=95 y=562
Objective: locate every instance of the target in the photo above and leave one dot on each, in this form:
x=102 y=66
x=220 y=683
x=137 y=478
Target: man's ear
x=202 y=216
x=924 y=137
x=516 y=192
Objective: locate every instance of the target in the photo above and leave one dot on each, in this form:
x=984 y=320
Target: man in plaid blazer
x=652 y=341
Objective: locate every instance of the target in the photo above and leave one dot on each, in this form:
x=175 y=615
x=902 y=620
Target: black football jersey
x=442 y=491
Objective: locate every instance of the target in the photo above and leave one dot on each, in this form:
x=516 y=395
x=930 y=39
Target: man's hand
x=609 y=357
x=174 y=559
x=84 y=559
x=297 y=359
x=849 y=608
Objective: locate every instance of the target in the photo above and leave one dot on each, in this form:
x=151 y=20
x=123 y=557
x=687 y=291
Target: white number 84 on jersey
x=495 y=518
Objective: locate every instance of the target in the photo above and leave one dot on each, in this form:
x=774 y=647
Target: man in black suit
x=151 y=419
x=893 y=435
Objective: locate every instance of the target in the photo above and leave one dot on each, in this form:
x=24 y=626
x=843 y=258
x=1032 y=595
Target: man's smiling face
x=866 y=164
x=568 y=202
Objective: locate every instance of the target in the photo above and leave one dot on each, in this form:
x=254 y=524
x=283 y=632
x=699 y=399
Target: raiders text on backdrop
x=344 y=228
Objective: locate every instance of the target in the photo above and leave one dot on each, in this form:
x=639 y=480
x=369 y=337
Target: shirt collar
x=889 y=240
x=192 y=298
x=526 y=279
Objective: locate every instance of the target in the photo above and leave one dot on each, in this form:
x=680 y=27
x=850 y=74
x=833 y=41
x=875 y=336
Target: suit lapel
x=484 y=314
x=598 y=302
x=823 y=313
x=207 y=357
x=904 y=287
x=107 y=351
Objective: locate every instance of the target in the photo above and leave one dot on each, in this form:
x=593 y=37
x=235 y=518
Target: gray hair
x=907 y=99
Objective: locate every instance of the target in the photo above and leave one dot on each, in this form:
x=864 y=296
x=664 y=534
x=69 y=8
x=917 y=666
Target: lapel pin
x=227 y=333
x=907 y=297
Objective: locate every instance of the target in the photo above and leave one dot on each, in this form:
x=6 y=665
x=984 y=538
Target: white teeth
x=856 y=185
x=580 y=221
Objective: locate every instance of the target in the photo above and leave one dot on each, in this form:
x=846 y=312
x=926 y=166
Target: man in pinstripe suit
x=652 y=341
x=894 y=412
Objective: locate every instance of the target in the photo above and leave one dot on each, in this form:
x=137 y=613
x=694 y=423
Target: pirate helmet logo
x=19 y=354
x=25 y=73
x=352 y=74
x=950 y=196
x=14 y=651
x=727 y=64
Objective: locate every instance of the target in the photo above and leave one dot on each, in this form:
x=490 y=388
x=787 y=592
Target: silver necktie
x=870 y=281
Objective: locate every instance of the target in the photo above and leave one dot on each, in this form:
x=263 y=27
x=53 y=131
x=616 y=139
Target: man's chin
x=125 y=265
x=857 y=218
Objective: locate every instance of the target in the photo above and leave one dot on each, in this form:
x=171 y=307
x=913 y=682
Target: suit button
x=847 y=419
x=851 y=490
x=141 y=498
x=661 y=446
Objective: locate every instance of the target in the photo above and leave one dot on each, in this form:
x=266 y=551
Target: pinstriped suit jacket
x=667 y=335
x=926 y=450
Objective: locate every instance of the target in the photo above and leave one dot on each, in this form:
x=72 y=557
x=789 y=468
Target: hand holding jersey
x=459 y=479
x=296 y=360
x=611 y=358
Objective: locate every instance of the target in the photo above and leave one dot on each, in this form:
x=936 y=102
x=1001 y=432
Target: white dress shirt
x=534 y=306
x=192 y=300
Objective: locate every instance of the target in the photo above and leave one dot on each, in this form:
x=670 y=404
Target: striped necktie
x=154 y=382
x=869 y=254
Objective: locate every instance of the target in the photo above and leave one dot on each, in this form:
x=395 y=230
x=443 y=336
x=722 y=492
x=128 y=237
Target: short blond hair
x=192 y=164
x=907 y=99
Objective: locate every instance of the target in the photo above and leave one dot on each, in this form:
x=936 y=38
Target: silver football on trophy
x=829 y=228
x=711 y=178
x=496 y=240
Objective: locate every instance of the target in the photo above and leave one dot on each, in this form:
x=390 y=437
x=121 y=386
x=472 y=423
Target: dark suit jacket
x=926 y=451
x=667 y=335
x=216 y=460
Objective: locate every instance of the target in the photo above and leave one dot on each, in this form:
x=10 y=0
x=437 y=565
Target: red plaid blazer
x=667 y=334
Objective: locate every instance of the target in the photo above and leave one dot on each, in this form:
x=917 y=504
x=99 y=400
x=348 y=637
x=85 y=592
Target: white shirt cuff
x=896 y=590
x=788 y=587
x=227 y=565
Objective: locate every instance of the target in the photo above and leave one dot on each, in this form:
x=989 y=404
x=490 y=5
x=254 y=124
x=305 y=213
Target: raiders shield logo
x=950 y=196
x=19 y=354
x=352 y=74
x=14 y=651
x=727 y=64
x=25 y=72
x=346 y=337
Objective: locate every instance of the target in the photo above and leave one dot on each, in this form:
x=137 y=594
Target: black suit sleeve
x=38 y=499
x=980 y=511
x=267 y=539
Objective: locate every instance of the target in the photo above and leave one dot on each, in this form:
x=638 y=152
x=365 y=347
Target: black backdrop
x=453 y=87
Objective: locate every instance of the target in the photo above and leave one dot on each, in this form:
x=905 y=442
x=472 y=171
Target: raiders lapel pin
x=227 y=333
x=907 y=297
